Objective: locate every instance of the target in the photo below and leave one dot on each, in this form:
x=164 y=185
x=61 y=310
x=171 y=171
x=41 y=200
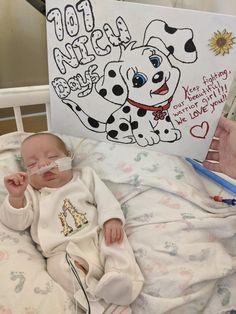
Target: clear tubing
x=62 y=164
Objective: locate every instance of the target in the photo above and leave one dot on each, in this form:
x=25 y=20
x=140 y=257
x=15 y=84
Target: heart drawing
x=200 y=131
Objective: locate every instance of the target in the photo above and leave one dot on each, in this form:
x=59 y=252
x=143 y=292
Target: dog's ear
x=111 y=86
x=177 y=42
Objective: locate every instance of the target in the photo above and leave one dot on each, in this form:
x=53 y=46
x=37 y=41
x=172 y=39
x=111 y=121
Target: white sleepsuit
x=70 y=219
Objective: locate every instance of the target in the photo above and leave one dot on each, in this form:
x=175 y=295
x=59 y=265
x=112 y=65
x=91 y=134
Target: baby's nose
x=43 y=162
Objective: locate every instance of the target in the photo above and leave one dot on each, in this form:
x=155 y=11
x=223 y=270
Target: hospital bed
x=183 y=240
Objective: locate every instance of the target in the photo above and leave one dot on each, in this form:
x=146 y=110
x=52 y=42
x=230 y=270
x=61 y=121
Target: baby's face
x=40 y=151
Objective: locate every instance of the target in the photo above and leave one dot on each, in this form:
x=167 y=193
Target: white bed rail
x=18 y=97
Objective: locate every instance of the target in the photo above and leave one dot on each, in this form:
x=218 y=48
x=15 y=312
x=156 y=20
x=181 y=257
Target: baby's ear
x=70 y=154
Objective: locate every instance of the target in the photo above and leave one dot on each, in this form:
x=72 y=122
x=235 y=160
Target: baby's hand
x=113 y=231
x=16 y=184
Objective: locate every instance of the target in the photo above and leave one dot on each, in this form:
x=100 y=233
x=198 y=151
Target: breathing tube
x=62 y=164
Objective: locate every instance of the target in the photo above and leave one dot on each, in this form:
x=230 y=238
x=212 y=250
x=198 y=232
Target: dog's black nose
x=158 y=77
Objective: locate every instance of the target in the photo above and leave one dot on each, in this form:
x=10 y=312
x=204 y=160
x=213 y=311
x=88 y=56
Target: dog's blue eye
x=139 y=79
x=156 y=61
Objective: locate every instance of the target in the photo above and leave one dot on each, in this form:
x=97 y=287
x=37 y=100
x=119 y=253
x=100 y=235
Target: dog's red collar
x=151 y=108
x=159 y=112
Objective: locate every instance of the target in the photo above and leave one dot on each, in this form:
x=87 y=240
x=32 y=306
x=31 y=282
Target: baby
x=75 y=221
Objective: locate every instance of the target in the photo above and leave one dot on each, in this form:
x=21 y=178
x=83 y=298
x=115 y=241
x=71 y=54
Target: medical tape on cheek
x=62 y=164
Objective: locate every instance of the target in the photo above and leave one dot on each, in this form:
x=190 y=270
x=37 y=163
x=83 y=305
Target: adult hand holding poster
x=138 y=74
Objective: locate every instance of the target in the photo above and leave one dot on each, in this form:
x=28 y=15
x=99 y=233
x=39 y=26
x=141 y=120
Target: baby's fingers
x=114 y=235
x=16 y=179
x=119 y=235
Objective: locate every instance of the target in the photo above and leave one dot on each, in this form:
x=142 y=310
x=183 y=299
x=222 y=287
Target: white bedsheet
x=184 y=242
x=184 y=252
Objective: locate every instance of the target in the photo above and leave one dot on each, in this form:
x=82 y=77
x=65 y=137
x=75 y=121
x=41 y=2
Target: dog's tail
x=89 y=122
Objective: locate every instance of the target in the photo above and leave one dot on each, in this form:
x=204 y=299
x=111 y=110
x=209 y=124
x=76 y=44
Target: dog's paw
x=147 y=139
x=170 y=135
x=114 y=137
x=178 y=134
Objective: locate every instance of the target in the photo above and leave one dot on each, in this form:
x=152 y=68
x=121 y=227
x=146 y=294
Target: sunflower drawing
x=221 y=42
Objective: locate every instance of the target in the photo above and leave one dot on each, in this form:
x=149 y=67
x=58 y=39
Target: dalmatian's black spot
x=166 y=131
x=93 y=123
x=117 y=90
x=111 y=119
x=78 y=108
x=157 y=132
x=112 y=73
x=189 y=46
x=126 y=109
x=140 y=135
x=124 y=127
x=171 y=49
x=134 y=125
x=112 y=133
x=103 y=92
x=141 y=112
x=170 y=30
x=168 y=119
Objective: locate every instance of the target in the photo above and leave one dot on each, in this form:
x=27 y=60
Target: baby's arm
x=107 y=205
x=110 y=215
x=16 y=211
x=16 y=185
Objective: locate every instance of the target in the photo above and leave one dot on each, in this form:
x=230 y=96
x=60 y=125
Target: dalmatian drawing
x=142 y=84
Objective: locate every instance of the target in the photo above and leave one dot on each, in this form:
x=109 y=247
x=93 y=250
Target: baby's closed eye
x=31 y=164
x=53 y=157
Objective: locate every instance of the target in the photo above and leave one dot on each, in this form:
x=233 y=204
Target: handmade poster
x=135 y=74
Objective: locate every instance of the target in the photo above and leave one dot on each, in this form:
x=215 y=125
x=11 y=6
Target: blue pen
x=230 y=187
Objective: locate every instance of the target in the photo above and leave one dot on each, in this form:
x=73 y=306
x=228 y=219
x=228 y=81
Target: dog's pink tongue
x=162 y=90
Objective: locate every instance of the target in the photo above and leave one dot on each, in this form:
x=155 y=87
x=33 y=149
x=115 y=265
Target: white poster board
x=138 y=74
